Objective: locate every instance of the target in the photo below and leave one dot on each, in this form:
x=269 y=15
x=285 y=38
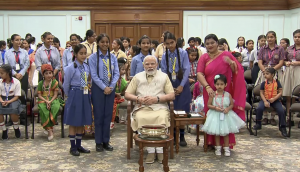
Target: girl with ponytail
x=175 y=63
x=105 y=74
x=68 y=56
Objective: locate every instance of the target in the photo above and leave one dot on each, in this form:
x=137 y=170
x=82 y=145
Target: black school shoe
x=4 y=134
x=83 y=150
x=17 y=133
x=283 y=132
x=74 y=152
x=108 y=147
x=182 y=142
x=256 y=127
x=99 y=147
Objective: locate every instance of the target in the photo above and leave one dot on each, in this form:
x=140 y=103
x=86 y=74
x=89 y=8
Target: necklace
x=213 y=55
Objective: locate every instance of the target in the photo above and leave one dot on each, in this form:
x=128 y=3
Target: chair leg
x=32 y=123
x=290 y=126
x=26 y=127
x=62 y=124
x=38 y=120
x=128 y=145
x=250 y=122
x=247 y=119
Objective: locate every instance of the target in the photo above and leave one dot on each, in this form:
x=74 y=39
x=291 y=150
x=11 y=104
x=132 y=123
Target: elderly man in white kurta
x=152 y=89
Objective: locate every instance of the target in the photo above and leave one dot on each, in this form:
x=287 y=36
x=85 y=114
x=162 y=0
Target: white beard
x=151 y=72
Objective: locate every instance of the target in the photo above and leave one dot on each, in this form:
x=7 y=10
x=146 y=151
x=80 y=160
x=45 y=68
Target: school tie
x=50 y=55
x=172 y=63
x=143 y=57
x=82 y=78
x=17 y=57
x=105 y=73
x=241 y=50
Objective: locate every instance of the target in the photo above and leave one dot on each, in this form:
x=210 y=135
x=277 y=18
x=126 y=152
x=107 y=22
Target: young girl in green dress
x=48 y=103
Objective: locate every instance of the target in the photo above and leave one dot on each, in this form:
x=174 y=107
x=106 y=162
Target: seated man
x=151 y=89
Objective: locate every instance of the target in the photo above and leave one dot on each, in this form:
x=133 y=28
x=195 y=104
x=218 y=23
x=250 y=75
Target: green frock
x=48 y=117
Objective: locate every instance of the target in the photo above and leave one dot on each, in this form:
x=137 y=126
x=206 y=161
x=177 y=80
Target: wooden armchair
x=130 y=107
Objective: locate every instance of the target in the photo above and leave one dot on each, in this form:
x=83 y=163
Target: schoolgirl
x=18 y=59
x=69 y=53
x=134 y=50
x=261 y=41
x=193 y=58
x=2 y=49
x=47 y=54
x=26 y=46
x=246 y=54
x=137 y=61
x=154 y=45
x=90 y=44
x=56 y=44
x=291 y=74
x=270 y=56
x=160 y=50
x=199 y=44
x=238 y=56
x=105 y=74
x=126 y=45
x=175 y=63
x=241 y=45
x=285 y=43
x=48 y=103
x=118 y=49
x=78 y=109
x=223 y=45
x=180 y=42
x=10 y=90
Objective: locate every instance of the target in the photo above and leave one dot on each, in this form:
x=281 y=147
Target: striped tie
x=105 y=73
x=82 y=78
x=172 y=63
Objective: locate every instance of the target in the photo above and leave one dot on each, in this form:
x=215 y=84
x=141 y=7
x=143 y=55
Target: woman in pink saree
x=216 y=62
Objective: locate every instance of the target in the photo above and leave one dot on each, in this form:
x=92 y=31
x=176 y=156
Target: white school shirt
x=203 y=50
x=253 y=56
x=245 y=57
x=15 y=88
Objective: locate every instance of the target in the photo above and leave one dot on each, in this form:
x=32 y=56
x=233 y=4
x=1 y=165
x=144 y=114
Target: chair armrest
x=129 y=110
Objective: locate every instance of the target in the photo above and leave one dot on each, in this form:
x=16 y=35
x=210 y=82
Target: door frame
x=138 y=17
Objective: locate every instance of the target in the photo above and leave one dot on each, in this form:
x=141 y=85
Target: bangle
x=207 y=86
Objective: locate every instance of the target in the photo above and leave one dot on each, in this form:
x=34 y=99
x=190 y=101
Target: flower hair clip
x=233 y=52
x=217 y=77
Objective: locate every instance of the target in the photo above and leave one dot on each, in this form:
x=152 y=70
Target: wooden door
x=120 y=30
x=173 y=28
x=102 y=28
x=153 y=31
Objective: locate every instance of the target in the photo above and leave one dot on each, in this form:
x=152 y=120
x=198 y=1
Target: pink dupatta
x=235 y=84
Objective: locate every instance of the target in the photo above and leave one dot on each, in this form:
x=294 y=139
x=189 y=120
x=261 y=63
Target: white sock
x=2 y=126
x=16 y=125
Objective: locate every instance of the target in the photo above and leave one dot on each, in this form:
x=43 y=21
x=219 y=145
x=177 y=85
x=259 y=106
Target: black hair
x=89 y=33
x=135 y=49
x=244 y=45
x=2 y=43
x=77 y=48
x=211 y=36
x=180 y=42
x=197 y=39
x=56 y=40
x=28 y=34
x=9 y=43
x=122 y=60
x=121 y=65
x=119 y=42
x=270 y=70
x=193 y=50
x=8 y=69
x=259 y=38
x=236 y=54
x=180 y=72
x=140 y=42
x=74 y=34
x=155 y=42
x=191 y=39
x=31 y=40
x=125 y=38
x=103 y=35
x=27 y=40
x=287 y=41
x=274 y=34
x=13 y=36
x=221 y=78
x=122 y=38
x=222 y=41
x=296 y=31
x=46 y=34
x=248 y=41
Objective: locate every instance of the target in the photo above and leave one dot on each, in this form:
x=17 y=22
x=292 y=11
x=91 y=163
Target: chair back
x=256 y=90
x=296 y=91
x=247 y=74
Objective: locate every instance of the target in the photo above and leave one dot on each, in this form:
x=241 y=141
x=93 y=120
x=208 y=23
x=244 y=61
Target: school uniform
x=19 y=61
x=90 y=48
x=245 y=56
x=67 y=57
x=119 y=54
x=160 y=50
x=270 y=91
x=255 y=68
x=270 y=58
x=78 y=111
x=30 y=51
x=136 y=65
x=9 y=91
x=61 y=51
x=47 y=56
x=100 y=67
x=202 y=49
x=2 y=55
x=182 y=101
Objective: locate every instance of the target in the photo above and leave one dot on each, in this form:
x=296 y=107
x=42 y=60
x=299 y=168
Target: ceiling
x=149 y=4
